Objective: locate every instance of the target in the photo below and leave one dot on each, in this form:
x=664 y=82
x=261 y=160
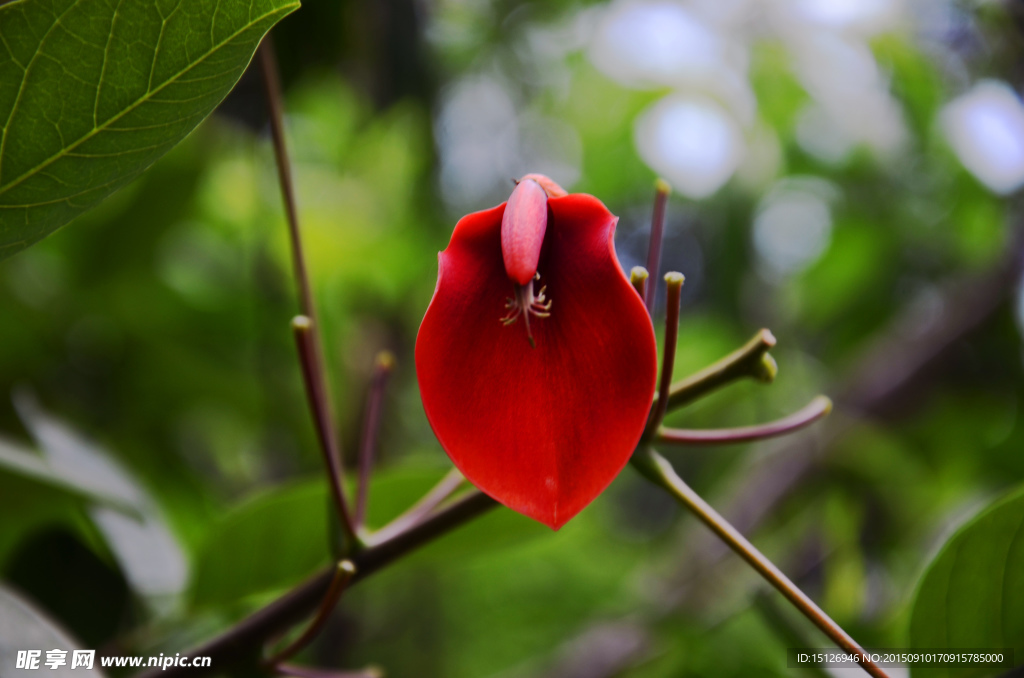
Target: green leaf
x=279 y=537
x=92 y=93
x=266 y=543
x=972 y=594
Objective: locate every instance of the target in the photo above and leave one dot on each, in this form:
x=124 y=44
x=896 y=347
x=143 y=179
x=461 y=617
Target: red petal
x=543 y=430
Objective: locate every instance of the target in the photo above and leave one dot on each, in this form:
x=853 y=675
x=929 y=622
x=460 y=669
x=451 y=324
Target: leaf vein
x=103 y=68
x=24 y=79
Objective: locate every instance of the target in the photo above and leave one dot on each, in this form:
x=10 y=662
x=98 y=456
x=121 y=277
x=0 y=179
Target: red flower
x=542 y=407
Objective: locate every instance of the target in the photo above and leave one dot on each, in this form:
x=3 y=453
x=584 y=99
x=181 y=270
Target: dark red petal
x=543 y=430
x=523 y=225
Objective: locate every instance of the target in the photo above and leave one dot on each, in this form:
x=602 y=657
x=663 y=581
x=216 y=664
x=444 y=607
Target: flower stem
x=371 y=427
x=310 y=349
x=674 y=281
x=658 y=470
x=661 y=193
x=750 y=360
x=818 y=408
x=343 y=573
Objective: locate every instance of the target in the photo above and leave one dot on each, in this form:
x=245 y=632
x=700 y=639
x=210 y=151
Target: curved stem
x=343 y=573
x=750 y=360
x=658 y=470
x=815 y=410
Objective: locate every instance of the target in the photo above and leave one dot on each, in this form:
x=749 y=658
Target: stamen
x=525 y=304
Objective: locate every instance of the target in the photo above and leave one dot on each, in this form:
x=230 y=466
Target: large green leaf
x=972 y=595
x=268 y=542
x=277 y=538
x=288 y=528
x=92 y=93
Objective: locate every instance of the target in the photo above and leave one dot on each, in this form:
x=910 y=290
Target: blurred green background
x=844 y=174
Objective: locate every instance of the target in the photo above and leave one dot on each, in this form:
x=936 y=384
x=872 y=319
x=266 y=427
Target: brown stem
x=371 y=427
x=658 y=470
x=314 y=367
x=305 y=338
x=240 y=645
x=661 y=193
x=272 y=90
x=343 y=573
x=815 y=410
x=674 y=282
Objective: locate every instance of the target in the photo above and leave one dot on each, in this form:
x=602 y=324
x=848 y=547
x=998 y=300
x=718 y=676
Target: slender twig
x=787 y=632
x=272 y=90
x=751 y=360
x=420 y=510
x=343 y=573
x=305 y=334
x=314 y=368
x=638 y=279
x=661 y=193
x=815 y=410
x=237 y=645
x=674 y=281
x=371 y=427
x=659 y=471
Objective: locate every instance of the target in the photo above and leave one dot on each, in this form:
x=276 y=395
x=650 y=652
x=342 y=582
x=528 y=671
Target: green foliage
x=972 y=595
x=264 y=544
x=91 y=94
